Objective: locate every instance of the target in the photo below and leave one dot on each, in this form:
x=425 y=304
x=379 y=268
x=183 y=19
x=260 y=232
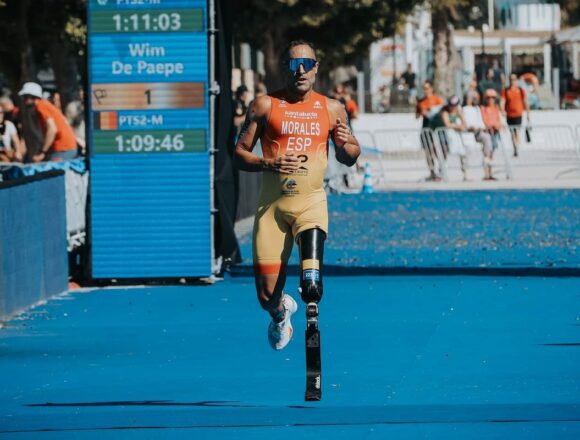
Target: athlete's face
x=300 y=81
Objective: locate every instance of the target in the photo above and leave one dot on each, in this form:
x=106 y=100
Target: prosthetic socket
x=311 y=245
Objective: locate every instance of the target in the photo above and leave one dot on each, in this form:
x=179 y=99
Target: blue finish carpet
x=404 y=356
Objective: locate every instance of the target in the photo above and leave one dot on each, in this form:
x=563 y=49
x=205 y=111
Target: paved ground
x=404 y=356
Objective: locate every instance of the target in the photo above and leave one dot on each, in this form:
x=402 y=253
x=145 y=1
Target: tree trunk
x=445 y=56
x=65 y=70
x=27 y=68
x=272 y=52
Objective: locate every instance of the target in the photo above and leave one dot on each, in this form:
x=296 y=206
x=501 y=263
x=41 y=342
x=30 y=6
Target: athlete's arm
x=347 y=147
x=254 y=126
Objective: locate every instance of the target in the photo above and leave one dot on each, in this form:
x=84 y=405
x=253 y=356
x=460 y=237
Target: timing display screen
x=148 y=139
x=148 y=72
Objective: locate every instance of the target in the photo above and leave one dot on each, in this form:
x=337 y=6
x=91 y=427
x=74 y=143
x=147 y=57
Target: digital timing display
x=148 y=74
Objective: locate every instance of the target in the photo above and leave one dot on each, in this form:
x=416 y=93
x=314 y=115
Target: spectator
x=410 y=80
x=75 y=115
x=514 y=103
x=498 y=75
x=56 y=100
x=384 y=99
x=473 y=93
x=451 y=118
x=427 y=108
x=491 y=114
x=474 y=123
x=11 y=111
x=350 y=106
x=343 y=94
x=240 y=106
x=10 y=149
x=489 y=83
x=59 y=142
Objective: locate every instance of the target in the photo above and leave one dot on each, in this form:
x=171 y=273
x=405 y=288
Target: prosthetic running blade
x=313 y=364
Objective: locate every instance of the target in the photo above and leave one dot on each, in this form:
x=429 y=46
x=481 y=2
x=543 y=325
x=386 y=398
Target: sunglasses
x=307 y=63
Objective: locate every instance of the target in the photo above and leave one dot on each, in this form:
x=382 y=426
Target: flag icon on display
x=106 y=121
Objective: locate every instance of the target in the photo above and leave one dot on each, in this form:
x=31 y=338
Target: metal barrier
x=469 y=151
x=550 y=149
x=401 y=155
x=406 y=155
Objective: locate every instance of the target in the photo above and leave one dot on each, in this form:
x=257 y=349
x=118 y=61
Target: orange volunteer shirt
x=65 y=139
x=491 y=116
x=514 y=101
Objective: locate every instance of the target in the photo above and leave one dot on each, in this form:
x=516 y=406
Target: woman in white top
x=10 y=149
x=475 y=124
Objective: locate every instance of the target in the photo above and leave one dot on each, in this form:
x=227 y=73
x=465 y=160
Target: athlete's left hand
x=341 y=133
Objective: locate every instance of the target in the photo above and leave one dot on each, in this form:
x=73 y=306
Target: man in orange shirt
x=59 y=139
x=428 y=107
x=514 y=102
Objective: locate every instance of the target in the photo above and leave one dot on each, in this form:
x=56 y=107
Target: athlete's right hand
x=285 y=164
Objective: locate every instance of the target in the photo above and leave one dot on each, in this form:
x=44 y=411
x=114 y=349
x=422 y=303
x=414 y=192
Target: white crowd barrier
x=401 y=155
x=462 y=150
x=552 y=147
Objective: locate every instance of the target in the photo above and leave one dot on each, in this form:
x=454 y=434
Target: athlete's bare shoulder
x=335 y=111
x=261 y=106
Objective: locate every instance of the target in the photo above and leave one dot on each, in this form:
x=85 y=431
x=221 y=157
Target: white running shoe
x=280 y=333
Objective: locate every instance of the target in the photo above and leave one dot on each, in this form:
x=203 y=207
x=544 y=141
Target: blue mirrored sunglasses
x=308 y=63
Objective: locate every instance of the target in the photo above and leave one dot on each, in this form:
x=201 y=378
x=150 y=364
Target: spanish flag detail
x=106 y=121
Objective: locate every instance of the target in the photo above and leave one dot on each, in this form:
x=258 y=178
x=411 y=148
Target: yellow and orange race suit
x=291 y=203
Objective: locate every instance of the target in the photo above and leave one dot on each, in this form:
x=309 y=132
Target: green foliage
x=342 y=30
x=570 y=12
x=35 y=32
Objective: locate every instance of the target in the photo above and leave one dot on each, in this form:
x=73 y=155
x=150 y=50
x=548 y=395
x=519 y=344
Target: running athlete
x=294 y=126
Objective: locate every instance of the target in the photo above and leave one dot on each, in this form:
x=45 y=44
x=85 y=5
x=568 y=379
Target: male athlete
x=294 y=126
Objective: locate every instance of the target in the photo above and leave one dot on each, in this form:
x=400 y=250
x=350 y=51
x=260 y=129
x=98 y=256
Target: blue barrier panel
x=33 y=252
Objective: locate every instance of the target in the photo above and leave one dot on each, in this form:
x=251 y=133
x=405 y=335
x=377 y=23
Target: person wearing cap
x=491 y=115
x=451 y=118
x=59 y=141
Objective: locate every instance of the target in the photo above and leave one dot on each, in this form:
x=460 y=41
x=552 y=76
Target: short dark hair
x=428 y=82
x=285 y=55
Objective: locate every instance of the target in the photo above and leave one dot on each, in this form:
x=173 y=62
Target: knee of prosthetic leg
x=310 y=290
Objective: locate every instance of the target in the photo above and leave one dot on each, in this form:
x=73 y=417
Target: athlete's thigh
x=315 y=216
x=272 y=243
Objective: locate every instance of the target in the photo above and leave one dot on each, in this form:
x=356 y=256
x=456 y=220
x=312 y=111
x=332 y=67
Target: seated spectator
x=10 y=148
x=59 y=141
x=474 y=122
